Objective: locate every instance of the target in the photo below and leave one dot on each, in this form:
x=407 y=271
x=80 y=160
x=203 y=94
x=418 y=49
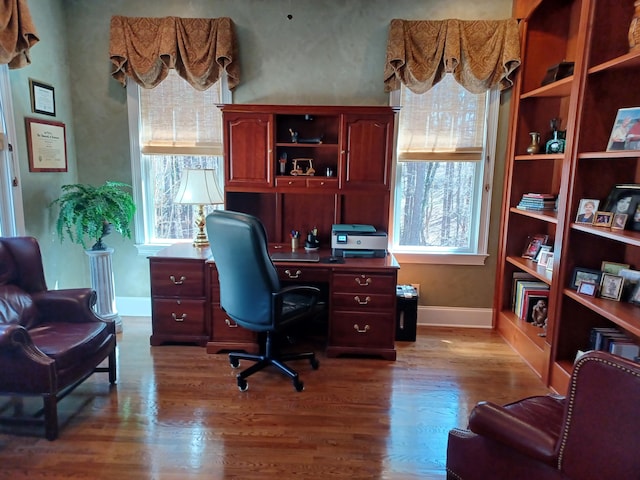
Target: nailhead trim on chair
x=572 y=395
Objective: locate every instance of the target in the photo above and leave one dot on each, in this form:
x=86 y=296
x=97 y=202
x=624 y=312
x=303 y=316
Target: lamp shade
x=198 y=186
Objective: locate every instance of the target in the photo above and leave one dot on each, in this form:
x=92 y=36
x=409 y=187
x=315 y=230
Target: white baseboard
x=433 y=316
x=455 y=317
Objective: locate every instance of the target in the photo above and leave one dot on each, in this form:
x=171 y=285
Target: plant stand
x=102 y=282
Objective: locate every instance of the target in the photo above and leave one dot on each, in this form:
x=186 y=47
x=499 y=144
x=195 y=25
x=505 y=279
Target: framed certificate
x=43 y=98
x=47 y=145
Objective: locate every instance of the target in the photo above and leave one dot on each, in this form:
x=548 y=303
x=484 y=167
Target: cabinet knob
x=363 y=281
x=362 y=302
x=365 y=329
x=177 y=282
x=230 y=324
x=293 y=275
x=181 y=318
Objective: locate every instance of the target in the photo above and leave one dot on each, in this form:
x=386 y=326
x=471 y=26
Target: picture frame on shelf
x=587 y=209
x=611 y=286
x=613 y=267
x=543 y=258
x=625 y=133
x=587 y=287
x=585 y=275
x=549 y=267
x=625 y=199
x=619 y=221
x=543 y=250
x=635 y=295
x=603 y=219
x=534 y=243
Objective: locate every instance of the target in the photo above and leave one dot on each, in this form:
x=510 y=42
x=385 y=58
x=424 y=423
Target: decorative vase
x=534 y=146
x=634 y=28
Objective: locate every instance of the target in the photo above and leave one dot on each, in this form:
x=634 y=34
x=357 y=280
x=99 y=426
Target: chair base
x=263 y=361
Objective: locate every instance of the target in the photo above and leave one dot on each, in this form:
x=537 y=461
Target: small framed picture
x=603 y=219
x=543 y=250
x=635 y=295
x=588 y=288
x=543 y=258
x=613 y=267
x=625 y=134
x=585 y=274
x=534 y=242
x=619 y=221
x=611 y=286
x=550 y=262
x=587 y=210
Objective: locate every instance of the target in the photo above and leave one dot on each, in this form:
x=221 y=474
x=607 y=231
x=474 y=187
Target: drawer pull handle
x=293 y=275
x=179 y=319
x=177 y=282
x=229 y=324
x=361 y=330
x=363 y=281
x=362 y=302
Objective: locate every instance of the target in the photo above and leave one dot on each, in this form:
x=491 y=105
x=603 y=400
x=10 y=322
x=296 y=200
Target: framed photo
x=603 y=219
x=47 y=145
x=611 y=286
x=613 y=267
x=587 y=287
x=625 y=199
x=585 y=274
x=635 y=295
x=625 y=134
x=543 y=250
x=544 y=258
x=587 y=210
x=43 y=99
x=534 y=242
x=619 y=221
x=550 y=262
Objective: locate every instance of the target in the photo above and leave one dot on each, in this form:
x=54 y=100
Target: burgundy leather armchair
x=592 y=433
x=50 y=340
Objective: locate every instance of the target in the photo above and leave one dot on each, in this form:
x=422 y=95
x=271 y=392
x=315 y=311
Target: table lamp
x=199 y=187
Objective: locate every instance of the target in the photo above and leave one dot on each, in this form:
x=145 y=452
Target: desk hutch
x=351 y=152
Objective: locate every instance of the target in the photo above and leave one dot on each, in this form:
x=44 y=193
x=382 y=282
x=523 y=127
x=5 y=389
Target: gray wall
x=330 y=52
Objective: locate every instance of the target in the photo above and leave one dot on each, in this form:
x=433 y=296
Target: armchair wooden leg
x=112 y=367
x=51 y=417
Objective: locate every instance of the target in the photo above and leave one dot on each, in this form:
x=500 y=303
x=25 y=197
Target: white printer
x=356 y=240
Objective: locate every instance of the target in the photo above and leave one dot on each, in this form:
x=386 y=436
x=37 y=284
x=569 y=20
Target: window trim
x=479 y=258
x=142 y=229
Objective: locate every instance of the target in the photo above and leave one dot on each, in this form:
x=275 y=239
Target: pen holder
x=294 y=244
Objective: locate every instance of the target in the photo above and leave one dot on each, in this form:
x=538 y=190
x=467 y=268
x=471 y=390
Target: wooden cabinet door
x=368 y=141
x=248 y=149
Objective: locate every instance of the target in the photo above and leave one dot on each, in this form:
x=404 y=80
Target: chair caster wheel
x=235 y=363
x=243 y=386
x=298 y=385
x=315 y=364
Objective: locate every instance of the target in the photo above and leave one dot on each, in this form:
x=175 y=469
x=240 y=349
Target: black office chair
x=251 y=294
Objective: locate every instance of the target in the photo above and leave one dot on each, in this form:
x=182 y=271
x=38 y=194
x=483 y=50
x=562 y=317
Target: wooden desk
x=361 y=295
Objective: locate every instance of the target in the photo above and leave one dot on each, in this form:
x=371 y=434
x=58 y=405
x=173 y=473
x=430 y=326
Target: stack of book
x=530 y=299
x=538 y=201
x=613 y=340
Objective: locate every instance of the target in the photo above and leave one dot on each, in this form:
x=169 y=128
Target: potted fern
x=89 y=212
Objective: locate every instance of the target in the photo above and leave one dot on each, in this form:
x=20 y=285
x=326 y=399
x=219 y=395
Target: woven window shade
x=199 y=49
x=177 y=119
x=17 y=33
x=445 y=123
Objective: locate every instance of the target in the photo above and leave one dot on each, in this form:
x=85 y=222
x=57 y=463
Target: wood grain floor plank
x=176 y=413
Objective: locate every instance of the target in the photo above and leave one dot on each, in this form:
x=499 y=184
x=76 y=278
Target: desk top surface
x=186 y=251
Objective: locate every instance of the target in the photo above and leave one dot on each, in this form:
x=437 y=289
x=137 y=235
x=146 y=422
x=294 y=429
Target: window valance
x=17 y=33
x=479 y=53
x=199 y=49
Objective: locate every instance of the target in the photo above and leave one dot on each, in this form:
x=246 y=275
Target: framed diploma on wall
x=43 y=98
x=47 y=145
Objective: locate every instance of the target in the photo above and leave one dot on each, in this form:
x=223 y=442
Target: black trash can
x=406 y=313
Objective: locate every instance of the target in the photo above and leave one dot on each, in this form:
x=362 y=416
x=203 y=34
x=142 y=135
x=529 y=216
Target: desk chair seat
x=251 y=294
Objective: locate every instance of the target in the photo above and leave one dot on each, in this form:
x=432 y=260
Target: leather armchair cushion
x=16 y=306
x=531 y=426
x=7 y=266
x=70 y=344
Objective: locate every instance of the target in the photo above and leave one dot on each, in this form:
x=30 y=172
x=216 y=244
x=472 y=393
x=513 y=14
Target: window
x=173 y=126
x=444 y=172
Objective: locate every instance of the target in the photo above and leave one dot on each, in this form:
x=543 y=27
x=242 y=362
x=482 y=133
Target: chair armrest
x=14 y=336
x=69 y=305
x=499 y=424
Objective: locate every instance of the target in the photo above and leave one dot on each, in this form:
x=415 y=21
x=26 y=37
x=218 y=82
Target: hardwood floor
x=176 y=413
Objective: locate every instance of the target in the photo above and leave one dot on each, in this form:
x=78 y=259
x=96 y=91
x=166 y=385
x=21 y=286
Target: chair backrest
x=247 y=276
x=601 y=432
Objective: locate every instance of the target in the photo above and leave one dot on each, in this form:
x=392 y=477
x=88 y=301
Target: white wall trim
x=431 y=316
x=455 y=317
